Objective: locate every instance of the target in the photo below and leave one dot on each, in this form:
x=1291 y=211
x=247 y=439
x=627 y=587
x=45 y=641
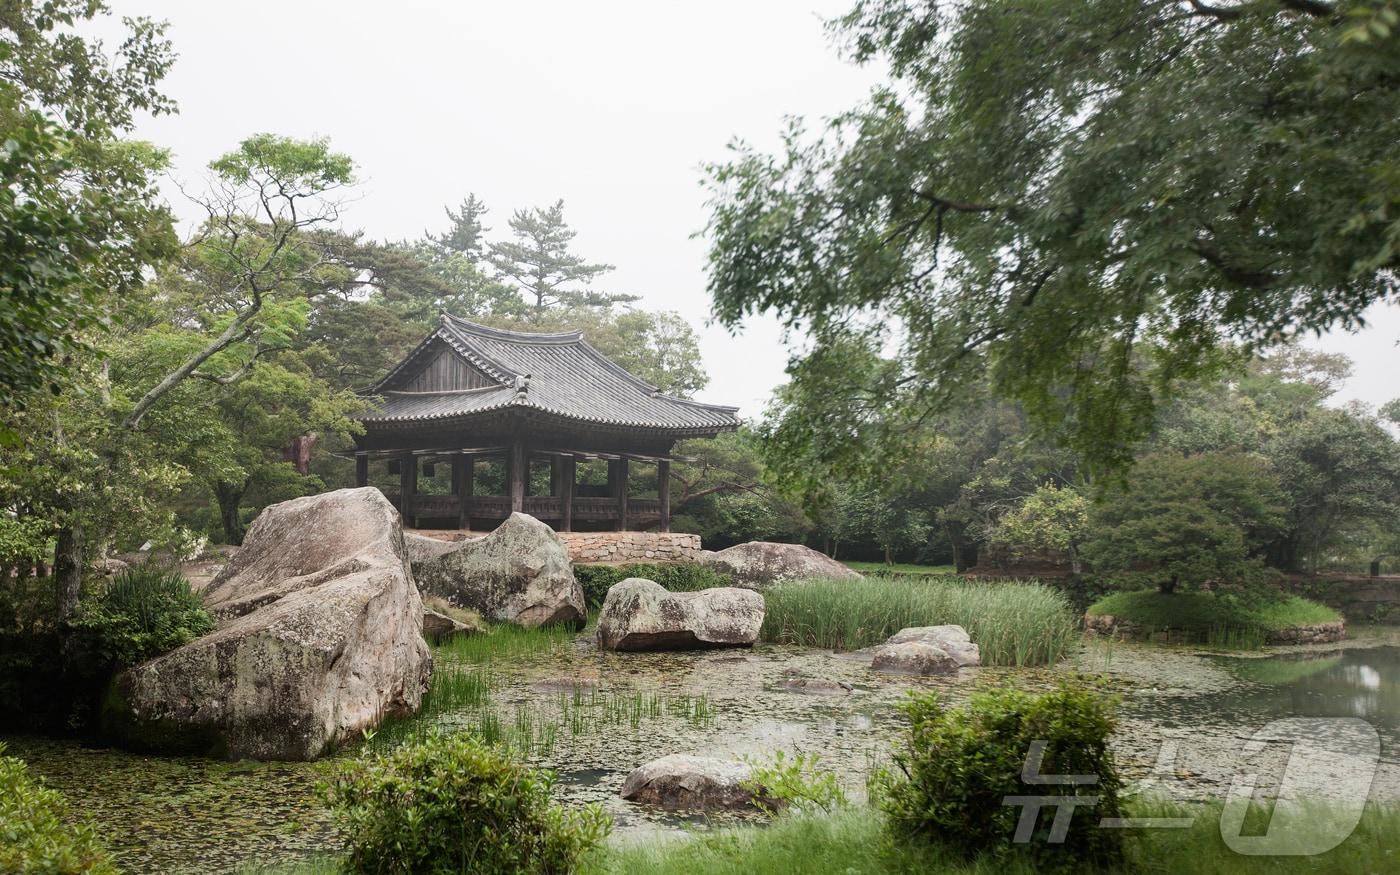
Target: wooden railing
x=545 y=507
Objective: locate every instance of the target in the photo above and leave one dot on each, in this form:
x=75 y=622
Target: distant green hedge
x=596 y=579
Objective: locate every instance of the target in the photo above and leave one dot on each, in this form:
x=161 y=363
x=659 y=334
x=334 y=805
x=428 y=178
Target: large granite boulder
x=319 y=636
x=758 y=564
x=684 y=782
x=520 y=573
x=639 y=614
x=926 y=650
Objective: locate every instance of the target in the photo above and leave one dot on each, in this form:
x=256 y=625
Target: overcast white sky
x=613 y=105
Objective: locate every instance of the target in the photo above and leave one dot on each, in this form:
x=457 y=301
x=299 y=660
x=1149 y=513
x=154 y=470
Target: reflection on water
x=1348 y=683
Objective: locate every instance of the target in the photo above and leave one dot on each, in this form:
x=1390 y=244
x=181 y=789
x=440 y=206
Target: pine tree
x=539 y=262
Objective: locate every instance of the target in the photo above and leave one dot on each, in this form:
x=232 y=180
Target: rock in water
x=683 y=782
x=319 y=636
x=952 y=640
x=520 y=573
x=639 y=614
x=760 y=563
x=926 y=650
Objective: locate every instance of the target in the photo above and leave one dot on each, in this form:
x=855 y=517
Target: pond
x=592 y=716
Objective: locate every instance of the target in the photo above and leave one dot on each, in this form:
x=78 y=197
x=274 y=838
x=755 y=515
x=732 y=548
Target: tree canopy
x=1087 y=199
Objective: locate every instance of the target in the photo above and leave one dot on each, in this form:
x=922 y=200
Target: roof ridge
x=536 y=337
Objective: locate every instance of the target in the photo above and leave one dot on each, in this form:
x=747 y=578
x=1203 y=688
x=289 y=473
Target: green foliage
x=1051 y=519
x=681 y=577
x=37 y=835
x=1184 y=521
x=959 y=765
x=1209 y=614
x=451 y=803
x=1040 y=190
x=800 y=784
x=78 y=206
x=1012 y=623
x=144 y=612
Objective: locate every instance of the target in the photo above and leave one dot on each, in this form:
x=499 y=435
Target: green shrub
x=145 y=612
x=960 y=764
x=1013 y=623
x=35 y=837
x=596 y=579
x=452 y=803
x=800 y=783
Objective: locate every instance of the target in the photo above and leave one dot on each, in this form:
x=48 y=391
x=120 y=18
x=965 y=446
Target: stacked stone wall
x=631 y=546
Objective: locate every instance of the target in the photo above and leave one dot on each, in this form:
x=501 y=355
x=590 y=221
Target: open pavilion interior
x=524 y=421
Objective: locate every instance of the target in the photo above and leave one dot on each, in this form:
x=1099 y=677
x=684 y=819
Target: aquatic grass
x=505 y=642
x=1013 y=623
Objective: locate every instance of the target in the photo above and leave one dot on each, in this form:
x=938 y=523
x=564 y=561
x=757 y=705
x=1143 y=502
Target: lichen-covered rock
x=926 y=650
x=758 y=564
x=520 y=573
x=422 y=548
x=913 y=657
x=684 y=782
x=440 y=627
x=639 y=614
x=319 y=636
x=952 y=640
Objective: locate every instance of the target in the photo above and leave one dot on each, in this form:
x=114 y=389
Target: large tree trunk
x=964 y=548
x=229 y=495
x=68 y=560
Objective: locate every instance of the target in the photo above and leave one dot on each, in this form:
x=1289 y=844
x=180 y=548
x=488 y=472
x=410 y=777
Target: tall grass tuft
x=1013 y=623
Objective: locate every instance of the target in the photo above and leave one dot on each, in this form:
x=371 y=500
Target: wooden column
x=408 y=487
x=554 y=470
x=617 y=476
x=361 y=469
x=568 y=477
x=663 y=492
x=516 y=472
x=463 y=482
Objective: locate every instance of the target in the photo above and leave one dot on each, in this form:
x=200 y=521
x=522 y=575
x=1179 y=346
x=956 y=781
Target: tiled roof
x=559 y=374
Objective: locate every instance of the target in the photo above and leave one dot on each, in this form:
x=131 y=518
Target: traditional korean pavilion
x=469 y=393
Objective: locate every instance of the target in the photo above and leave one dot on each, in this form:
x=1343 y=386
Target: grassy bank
x=1013 y=623
x=853 y=841
x=1213 y=618
x=897 y=568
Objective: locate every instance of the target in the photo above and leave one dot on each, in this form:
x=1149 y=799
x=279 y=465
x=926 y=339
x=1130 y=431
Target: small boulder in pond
x=681 y=782
x=759 y=564
x=319 y=636
x=926 y=650
x=520 y=573
x=640 y=614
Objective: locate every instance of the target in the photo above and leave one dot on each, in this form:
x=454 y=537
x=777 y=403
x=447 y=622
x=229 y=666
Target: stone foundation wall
x=1360 y=599
x=631 y=546
x=1119 y=628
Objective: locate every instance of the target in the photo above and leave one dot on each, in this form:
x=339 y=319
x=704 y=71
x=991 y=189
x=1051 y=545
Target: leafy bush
x=1013 y=623
x=452 y=803
x=960 y=764
x=145 y=612
x=34 y=835
x=597 y=579
x=799 y=782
